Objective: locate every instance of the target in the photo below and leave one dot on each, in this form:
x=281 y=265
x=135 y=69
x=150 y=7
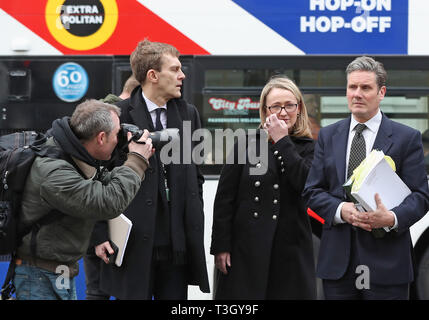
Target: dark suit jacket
x=389 y=259
x=131 y=280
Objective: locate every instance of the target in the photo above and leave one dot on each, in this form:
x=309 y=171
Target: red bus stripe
x=314 y=215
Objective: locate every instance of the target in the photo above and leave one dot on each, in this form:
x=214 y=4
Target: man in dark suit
x=365 y=255
x=165 y=251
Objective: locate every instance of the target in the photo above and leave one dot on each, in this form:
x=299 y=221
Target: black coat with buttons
x=262 y=221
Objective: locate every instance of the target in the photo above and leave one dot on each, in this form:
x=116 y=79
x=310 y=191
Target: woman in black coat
x=261 y=235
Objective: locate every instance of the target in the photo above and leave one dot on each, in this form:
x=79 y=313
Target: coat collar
x=86 y=169
x=138 y=111
x=141 y=116
x=339 y=143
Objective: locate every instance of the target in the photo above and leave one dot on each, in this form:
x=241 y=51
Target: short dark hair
x=366 y=63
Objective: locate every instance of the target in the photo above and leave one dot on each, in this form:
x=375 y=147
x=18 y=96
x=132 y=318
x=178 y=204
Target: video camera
x=159 y=138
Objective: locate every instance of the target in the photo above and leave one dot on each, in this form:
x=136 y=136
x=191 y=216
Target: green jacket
x=111 y=98
x=56 y=184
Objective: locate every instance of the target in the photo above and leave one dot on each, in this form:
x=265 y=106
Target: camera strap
x=167 y=189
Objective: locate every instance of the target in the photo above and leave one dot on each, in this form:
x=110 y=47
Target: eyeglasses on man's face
x=290 y=107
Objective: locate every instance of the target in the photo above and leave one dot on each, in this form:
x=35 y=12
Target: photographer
x=80 y=193
x=91 y=263
x=165 y=251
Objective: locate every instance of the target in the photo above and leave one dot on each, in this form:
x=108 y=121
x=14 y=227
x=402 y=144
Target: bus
x=56 y=53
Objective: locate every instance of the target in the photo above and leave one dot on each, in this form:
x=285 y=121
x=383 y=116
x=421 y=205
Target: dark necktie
x=357 y=149
x=158 y=124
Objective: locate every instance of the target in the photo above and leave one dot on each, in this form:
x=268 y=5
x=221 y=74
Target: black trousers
x=168 y=281
x=91 y=264
x=346 y=288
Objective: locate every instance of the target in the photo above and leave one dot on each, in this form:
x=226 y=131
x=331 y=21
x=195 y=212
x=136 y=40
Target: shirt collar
x=152 y=106
x=372 y=124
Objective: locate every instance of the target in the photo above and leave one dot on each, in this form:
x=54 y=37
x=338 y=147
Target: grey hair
x=91 y=117
x=365 y=63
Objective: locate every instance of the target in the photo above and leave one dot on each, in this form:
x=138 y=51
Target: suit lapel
x=339 y=146
x=383 y=141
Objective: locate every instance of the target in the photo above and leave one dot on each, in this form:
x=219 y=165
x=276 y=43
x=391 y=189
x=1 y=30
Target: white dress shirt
x=151 y=107
x=369 y=134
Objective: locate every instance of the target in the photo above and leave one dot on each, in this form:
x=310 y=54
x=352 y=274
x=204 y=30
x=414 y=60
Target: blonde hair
x=130 y=85
x=301 y=128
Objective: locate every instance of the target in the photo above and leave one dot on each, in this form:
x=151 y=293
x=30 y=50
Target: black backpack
x=17 y=153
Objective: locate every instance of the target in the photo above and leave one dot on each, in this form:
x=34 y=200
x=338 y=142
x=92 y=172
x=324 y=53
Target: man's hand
x=351 y=215
x=146 y=149
x=379 y=218
x=222 y=260
x=101 y=250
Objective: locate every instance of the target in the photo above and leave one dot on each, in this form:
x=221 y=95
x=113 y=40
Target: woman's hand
x=276 y=128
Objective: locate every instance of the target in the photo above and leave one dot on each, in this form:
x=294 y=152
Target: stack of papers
x=376 y=174
x=119 y=232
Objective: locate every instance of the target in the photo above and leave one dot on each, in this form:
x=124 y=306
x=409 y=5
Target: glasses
x=291 y=107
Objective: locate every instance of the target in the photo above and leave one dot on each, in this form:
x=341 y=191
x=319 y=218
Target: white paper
x=384 y=181
x=119 y=232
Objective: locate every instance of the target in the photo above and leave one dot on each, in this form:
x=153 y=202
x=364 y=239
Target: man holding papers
x=366 y=255
x=165 y=250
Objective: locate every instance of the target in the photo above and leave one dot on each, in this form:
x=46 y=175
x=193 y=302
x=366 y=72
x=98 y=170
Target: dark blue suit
x=389 y=259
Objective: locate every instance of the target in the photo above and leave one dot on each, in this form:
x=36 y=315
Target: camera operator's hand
x=139 y=153
x=146 y=149
x=102 y=250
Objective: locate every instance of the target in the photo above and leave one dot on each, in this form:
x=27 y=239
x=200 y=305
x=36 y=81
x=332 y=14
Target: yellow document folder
x=119 y=232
